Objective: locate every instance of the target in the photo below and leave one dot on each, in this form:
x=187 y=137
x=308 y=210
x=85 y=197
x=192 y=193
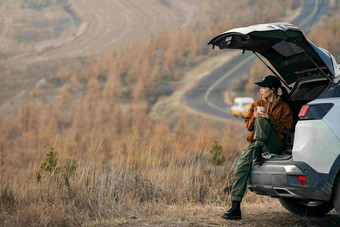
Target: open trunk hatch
x=293 y=56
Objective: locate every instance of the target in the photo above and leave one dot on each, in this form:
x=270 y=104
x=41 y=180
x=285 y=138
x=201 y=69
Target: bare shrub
x=42 y=214
x=8 y=203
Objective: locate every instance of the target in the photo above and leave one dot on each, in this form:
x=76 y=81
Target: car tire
x=306 y=208
x=336 y=195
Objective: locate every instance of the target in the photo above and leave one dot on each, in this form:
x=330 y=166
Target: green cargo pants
x=264 y=135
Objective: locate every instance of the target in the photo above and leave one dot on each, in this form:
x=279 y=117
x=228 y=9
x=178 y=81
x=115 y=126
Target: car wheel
x=336 y=195
x=306 y=208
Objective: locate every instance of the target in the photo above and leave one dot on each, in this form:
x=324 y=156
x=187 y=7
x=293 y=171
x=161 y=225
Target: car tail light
x=302 y=180
x=303 y=110
x=314 y=111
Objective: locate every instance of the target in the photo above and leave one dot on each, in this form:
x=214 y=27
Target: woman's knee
x=261 y=121
x=247 y=151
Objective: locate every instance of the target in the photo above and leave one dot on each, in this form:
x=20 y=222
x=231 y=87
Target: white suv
x=306 y=177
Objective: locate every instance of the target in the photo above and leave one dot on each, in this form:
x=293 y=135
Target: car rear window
x=334 y=92
x=308 y=91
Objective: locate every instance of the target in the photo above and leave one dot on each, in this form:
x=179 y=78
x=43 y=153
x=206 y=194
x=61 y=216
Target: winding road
x=106 y=24
x=96 y=25
x=101 y=25
x=207 y=95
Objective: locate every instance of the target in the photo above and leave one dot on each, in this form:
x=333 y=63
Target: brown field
x=100 y=140
x=36 y=41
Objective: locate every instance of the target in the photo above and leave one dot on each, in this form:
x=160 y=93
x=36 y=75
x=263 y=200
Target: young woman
x=268 y=120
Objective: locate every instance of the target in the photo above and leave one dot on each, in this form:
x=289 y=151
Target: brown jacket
x=280 y=117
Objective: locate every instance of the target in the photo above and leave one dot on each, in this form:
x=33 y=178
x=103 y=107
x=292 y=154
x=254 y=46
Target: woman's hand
x=264 y=114
x=261 y=114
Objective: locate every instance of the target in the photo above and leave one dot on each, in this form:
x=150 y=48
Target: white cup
x=260 y=109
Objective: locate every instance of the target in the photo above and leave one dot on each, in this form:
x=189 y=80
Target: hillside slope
x=40 y=37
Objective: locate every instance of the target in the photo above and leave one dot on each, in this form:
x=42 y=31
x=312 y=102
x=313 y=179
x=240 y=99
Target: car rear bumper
x=280 y=179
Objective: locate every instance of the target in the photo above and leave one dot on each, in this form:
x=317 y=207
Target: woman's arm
x=284 y=122
x=250 y=118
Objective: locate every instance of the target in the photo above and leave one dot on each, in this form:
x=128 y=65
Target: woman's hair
x=275 y=89
x=284 y=94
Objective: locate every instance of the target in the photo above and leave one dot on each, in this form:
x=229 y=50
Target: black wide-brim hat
x=270 y=81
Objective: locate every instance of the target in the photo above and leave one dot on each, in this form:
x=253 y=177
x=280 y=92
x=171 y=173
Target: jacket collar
x=277 y=100
x=271 y=105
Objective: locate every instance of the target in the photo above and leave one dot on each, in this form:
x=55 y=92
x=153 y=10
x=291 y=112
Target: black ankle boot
x=258 y=159
x=234 y=213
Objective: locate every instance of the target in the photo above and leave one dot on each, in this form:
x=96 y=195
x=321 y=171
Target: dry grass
x=145 y=186
x=138 y=182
